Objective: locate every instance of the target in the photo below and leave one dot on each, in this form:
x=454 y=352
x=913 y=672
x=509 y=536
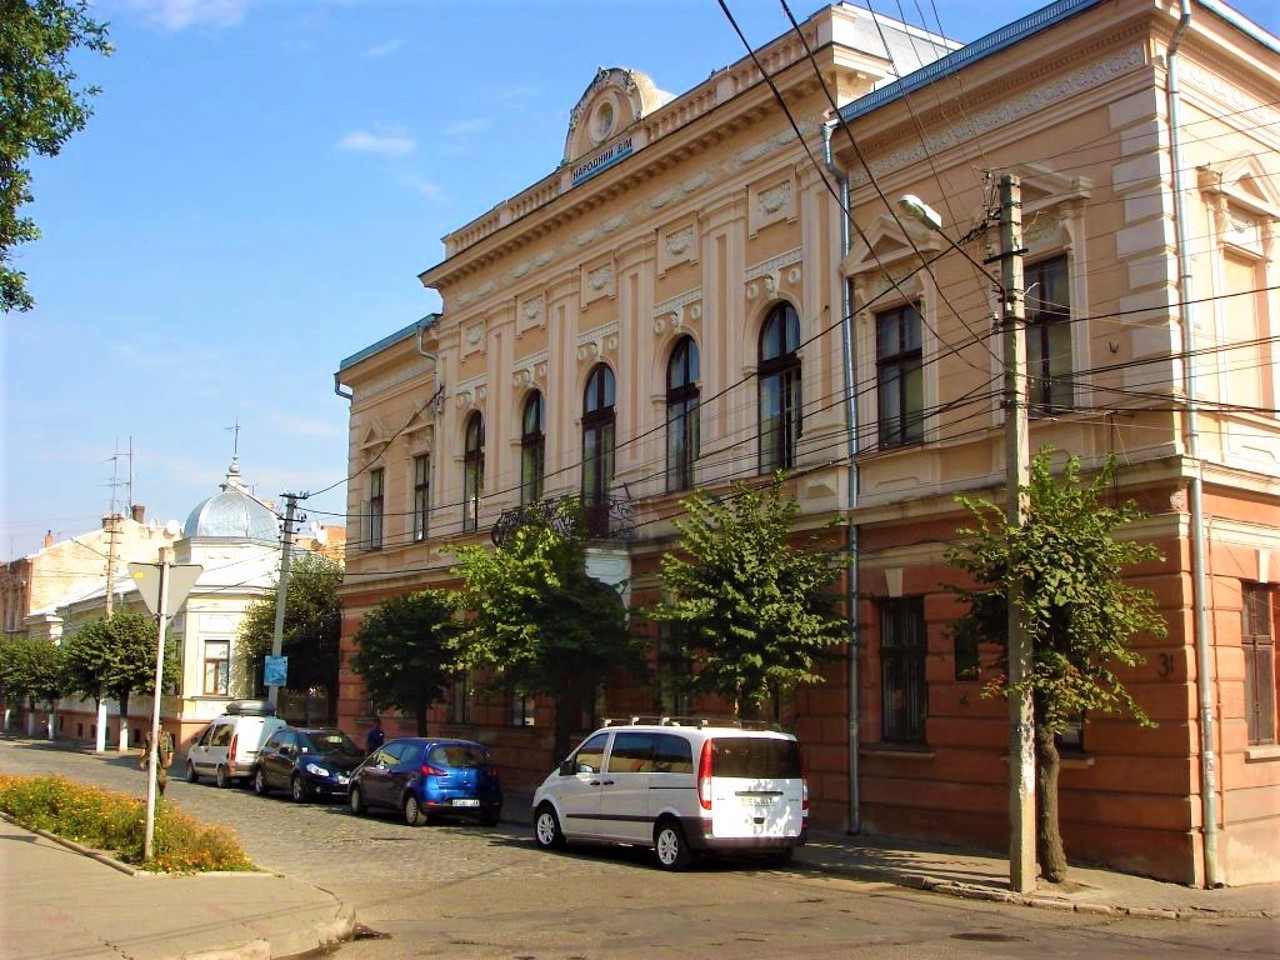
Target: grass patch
x=116 y=823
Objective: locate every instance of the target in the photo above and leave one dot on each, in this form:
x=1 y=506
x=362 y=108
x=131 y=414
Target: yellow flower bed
x=115 y=823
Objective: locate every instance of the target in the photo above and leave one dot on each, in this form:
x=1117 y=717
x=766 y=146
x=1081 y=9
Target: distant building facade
x=666 y=311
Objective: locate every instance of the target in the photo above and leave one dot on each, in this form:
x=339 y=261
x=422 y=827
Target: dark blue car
x=424 y=778
x=309 y=763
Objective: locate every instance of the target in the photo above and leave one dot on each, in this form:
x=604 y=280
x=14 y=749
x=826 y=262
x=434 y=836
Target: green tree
x=312 y=627
x=34 y=669
x=114 y=658
x=40 y=108
x=755 y=613
x=405 y=650
x=539 y=624
x=1080 y=616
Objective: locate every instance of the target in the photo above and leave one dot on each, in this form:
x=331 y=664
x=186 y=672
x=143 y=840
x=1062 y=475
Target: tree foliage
x=1080 y=616
x=33 y=668
x=312 y=626
x=539 y=624
x=40 y=108
x=405 y=652
x=117 y=657
x=755 y=612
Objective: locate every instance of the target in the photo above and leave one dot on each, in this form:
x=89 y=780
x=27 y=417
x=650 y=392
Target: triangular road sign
x=182 y=578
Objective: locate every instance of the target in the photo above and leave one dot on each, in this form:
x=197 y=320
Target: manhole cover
x=989 y=937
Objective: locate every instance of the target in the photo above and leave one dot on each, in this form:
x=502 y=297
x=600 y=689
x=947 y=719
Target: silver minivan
x=227 y=749
x=681 y=786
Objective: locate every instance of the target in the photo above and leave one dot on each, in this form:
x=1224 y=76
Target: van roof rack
x=656 y=720
x=251 y=708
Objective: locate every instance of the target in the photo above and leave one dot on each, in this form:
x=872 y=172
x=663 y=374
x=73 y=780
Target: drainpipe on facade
x=1199 y=580
x=851 y=430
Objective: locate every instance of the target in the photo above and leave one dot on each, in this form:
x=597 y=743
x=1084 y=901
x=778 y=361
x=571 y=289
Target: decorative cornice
x=972 y=127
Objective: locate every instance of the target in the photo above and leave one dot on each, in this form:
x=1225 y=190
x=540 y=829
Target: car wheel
x=413 y=814
x=260 y=783
x=671 y=847
x=356 y=802
x=298 y=789
x=546 y=828
x=192 y=776
x=220 y=777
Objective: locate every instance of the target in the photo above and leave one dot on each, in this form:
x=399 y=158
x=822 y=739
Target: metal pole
x=154 y=758
x=282 y=589
x=1022 y=761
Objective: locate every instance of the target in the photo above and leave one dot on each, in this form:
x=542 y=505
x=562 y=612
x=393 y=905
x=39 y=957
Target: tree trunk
x=566 y=705
x=123 y=744
x=421 y=716
x=1053 y=860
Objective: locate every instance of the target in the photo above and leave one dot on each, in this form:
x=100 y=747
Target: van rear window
x=756 y=758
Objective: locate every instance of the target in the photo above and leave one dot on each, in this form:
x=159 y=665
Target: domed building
x=235 y=538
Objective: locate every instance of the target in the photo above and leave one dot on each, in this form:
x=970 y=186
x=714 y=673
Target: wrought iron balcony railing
x=610 y=518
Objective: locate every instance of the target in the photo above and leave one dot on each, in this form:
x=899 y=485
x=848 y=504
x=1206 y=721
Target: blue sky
x=252 y=202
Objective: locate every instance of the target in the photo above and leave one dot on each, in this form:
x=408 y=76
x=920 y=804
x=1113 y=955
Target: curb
x=970 y=891
x=323 y=936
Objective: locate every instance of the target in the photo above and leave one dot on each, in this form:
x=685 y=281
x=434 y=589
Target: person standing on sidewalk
x=164 y=758
x=375 y=737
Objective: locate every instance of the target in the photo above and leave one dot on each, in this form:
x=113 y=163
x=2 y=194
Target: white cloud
x=179 y=14
x=387 y=145
x=428 y=188
x=382 y=49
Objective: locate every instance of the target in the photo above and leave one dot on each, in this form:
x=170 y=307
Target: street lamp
x=1022 y=764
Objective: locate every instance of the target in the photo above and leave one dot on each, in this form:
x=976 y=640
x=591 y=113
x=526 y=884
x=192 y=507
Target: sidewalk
x=58 y=903
x=983 y=875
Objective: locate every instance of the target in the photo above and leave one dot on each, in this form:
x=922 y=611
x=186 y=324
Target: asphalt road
x=470 y=892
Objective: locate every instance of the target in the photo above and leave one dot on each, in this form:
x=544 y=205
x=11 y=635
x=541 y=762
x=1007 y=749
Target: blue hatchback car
x=424 y=778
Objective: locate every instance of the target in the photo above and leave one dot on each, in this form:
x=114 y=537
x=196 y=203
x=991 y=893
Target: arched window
x=597 y=448
x=779 y=376
x=473 y=472
x=682 y=414
x=533 y=449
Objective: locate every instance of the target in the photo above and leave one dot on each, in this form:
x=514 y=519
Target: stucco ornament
x=614 y=100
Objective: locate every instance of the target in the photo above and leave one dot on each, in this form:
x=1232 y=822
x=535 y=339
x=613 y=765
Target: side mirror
x=568 y=768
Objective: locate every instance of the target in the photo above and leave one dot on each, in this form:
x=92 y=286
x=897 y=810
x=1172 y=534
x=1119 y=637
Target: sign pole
x=162 y=616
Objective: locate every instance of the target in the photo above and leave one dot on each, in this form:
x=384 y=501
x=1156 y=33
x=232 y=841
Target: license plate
x=343 y=781
x=458 y=802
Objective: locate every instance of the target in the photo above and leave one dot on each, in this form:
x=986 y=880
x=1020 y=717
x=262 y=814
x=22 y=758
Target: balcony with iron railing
x=602 y=518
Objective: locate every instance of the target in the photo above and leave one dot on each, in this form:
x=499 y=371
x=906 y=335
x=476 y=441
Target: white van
x=227 y=749
x=681 y=786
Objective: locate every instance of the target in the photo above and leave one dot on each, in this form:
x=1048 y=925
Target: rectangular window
x=521 y=710
x=1048 y=302
x=1257 y=639
x=675 y=667
x=421 y=496
x=376 y=506
x=966 y=656
x=217 y=667
x=899 y=376
x=460 y=698
x=903 y=648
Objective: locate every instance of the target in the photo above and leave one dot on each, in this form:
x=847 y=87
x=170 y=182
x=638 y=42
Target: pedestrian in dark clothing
x=375 y=737
x=164 y=758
